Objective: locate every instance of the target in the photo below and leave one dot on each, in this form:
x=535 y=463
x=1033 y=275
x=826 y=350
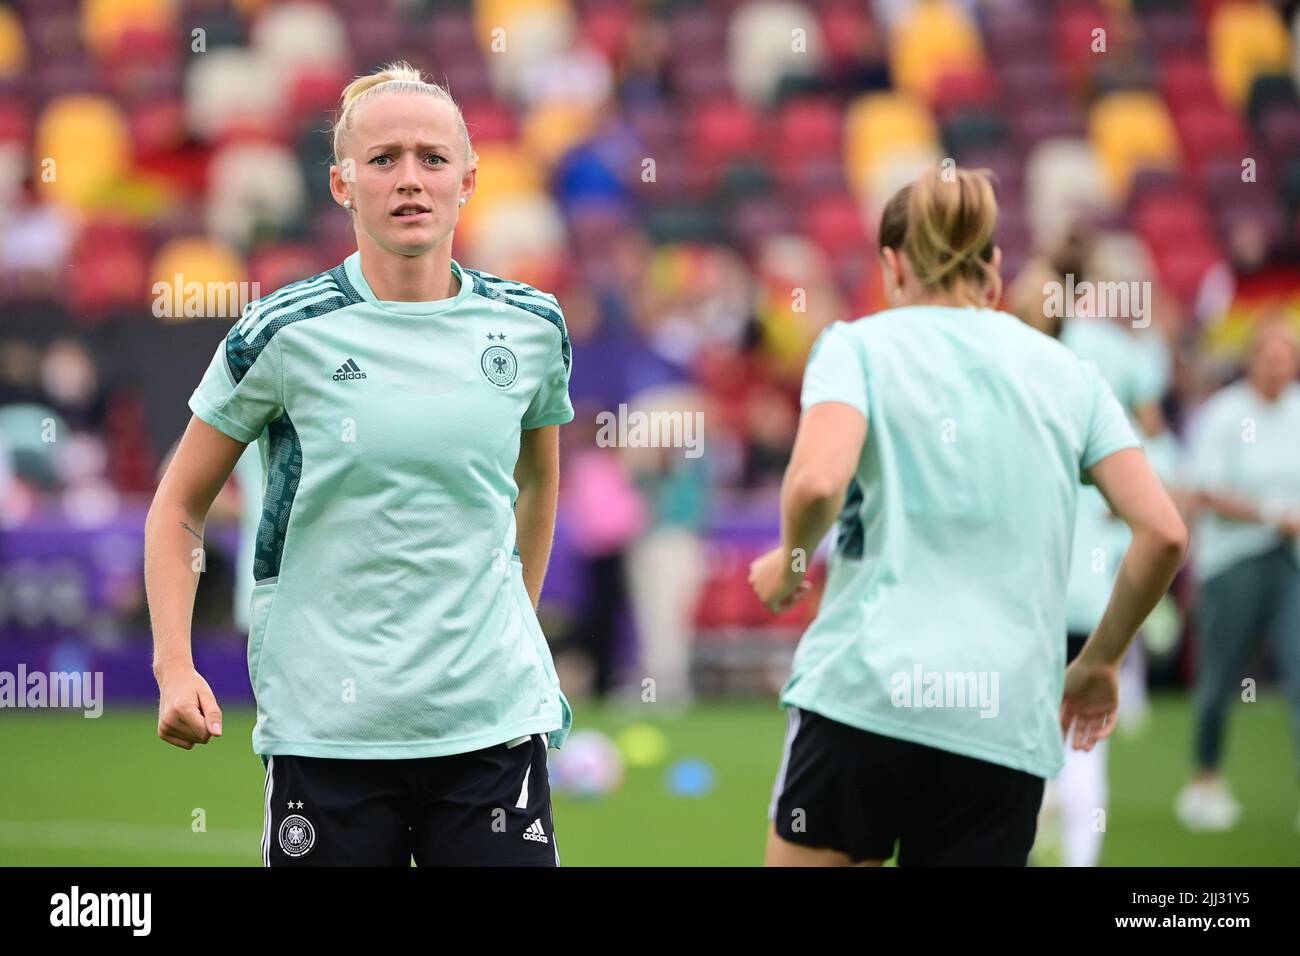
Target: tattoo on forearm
x=192 y=531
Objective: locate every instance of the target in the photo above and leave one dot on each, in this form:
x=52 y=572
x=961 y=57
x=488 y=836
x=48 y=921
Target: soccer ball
x=588 y=767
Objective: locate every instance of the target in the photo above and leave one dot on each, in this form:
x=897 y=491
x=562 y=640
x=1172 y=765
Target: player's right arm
x=173 y=558
x=1159 y=542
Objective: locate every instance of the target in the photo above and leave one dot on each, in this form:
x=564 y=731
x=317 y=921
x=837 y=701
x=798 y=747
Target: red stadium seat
x=1211 y=131
x=490 y=121
x=109 y=270
x=15 y=121
x=844 y=24
x=957 y=92
x=607 y=27
x=1171 y=218
x=1182 y=268
x=1074 y=41
x=1186 y=83
x=809 y=125
x=313 y=91
x=723 y=130
x=835 y=224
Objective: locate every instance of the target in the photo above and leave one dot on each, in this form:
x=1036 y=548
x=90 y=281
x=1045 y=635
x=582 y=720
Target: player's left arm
x=537 y=474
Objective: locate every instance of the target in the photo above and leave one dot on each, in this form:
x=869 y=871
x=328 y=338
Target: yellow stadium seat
x=878 y=125
x=104 y=21
x=513 y=33
x=1245 y=40
x=195 y=277
x=82 y=145
x=1131 y=131
x=936 y=38
x=552 y=130
x=13 y=44
x=506 y=174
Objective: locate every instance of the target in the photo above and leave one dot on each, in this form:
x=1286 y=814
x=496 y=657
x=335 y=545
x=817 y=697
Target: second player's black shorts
x=491 y=807
x=1073 y=645
x=858 y=792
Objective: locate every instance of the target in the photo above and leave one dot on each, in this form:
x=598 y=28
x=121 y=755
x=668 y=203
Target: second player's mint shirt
x=1100 y=538
x=389 y=617
x=943 y=618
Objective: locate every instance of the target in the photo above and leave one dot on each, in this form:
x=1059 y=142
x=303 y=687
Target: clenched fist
x=187 y=709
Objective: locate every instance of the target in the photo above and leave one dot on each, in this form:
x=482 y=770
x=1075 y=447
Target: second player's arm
x=1159 y=543
x=537 y=475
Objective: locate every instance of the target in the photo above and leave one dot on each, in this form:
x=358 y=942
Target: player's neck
x=398 y=278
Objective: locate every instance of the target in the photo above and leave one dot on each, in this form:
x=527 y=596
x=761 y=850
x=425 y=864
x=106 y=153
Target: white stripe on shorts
x=266 y=820
x=792 y=731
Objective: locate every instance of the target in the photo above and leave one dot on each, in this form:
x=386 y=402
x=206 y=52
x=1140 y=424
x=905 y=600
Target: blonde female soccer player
x=405 y=692
x=925 y=703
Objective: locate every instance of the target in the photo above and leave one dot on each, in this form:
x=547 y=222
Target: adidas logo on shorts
x=349 y=369
x=536 y=833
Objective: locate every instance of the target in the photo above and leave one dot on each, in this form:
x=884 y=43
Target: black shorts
x=491 y=807
x=1073 y=645
x=857 y=792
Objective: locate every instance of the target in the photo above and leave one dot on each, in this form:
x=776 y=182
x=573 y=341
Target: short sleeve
x=551 y=405
x=239 y=397
x=1108 y=429
x=835 y=372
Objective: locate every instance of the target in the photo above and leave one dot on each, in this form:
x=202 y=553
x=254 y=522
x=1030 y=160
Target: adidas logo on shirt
x=536 y=833
x=348 y=369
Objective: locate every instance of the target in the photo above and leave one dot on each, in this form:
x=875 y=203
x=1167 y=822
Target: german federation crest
x=297 y=835
x=499 y=365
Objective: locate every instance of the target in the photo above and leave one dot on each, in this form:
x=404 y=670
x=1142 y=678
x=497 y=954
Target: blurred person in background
x=1081 y=790
x=9 y=507
x=20 y=363
x=949 y=440
x=70 y=384
x=1244 y=467
x=408 y=412
x=28 y=424
x=35 y=244
x=666 y=562
x=605 y=513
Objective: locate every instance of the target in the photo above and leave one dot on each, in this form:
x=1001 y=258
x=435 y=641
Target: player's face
x=1274 y=363
x=408 y=173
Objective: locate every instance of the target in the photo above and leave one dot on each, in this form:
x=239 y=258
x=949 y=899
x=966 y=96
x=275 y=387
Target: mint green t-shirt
x=943 y=618
x=1100 y=539
x=389 y=617
x=1249 y=448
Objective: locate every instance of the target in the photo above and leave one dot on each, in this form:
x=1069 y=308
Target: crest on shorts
x=297 y=835
x=499 y=365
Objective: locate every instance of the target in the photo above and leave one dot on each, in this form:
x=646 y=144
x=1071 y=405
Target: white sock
x=1083 y=791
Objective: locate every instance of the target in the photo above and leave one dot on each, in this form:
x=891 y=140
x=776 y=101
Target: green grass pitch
x=107 y=792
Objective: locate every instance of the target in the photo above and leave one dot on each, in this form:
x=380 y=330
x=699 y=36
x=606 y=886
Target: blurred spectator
x=605 y=512
x=666 y=564
x=71 y=386
x=1245 y=469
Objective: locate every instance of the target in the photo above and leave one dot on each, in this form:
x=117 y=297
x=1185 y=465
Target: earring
x=462 y=200
x=347 y=204
x=898 y=292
